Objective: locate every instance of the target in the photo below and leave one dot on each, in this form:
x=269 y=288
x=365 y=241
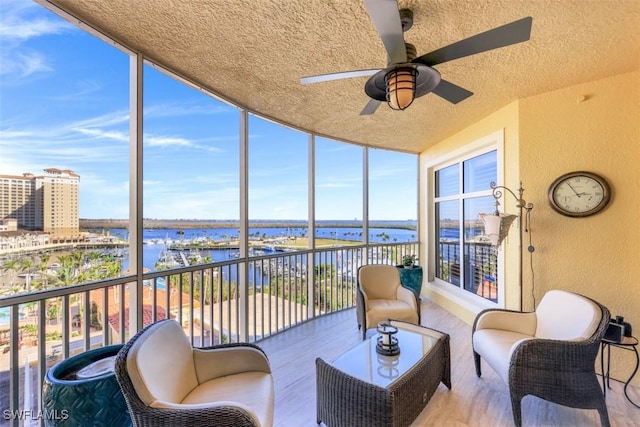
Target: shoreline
x=92 y=224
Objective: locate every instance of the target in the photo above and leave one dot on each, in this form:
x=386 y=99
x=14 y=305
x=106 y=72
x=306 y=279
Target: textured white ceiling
x=254 y=52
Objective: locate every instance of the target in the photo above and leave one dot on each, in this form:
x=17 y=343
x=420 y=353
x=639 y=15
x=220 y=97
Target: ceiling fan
x=408 y=76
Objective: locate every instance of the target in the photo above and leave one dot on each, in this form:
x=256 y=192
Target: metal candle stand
x=387 y=344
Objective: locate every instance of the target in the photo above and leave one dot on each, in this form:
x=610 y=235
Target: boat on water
x=194 y=256
x=167 y=259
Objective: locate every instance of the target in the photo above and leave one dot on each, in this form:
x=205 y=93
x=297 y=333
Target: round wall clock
x=579 y=194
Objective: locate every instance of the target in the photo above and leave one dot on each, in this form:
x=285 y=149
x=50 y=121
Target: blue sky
x=64 y=99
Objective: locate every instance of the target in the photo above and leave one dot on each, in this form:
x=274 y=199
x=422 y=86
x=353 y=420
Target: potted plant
x=410 y=274
x=408 y=261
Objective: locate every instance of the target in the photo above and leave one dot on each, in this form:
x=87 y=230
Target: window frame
x=483 y=145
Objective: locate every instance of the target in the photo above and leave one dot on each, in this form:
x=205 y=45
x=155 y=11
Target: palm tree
x=77 y=257
x=94 y=256
x=10 y=266
x=26 y=264
x=42 y=268
x=66 y=274
x=54 y=308
x=13 y=289
x=114 y=268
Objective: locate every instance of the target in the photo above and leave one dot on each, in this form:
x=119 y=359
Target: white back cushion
x=160 y=364
x=563 y=315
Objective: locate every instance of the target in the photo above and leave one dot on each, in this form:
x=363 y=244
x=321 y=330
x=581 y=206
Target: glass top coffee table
x=365 y=388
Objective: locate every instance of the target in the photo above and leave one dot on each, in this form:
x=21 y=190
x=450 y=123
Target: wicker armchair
x=381 y=296
x=167 y=382
x=549 y=353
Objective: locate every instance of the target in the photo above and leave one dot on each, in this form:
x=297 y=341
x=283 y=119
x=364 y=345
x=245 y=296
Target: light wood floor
x=472 y=401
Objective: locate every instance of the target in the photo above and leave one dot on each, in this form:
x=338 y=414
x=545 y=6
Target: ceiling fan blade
x=515 y=32
x=337 y=76
x=371 y=107
x=451 y=92
x=386 y=18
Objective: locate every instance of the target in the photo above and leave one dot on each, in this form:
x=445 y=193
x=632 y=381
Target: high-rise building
x=48 y=202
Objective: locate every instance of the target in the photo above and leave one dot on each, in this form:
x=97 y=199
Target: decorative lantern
x=387 y=344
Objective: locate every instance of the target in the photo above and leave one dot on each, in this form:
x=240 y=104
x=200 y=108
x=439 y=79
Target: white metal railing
x=241 y=300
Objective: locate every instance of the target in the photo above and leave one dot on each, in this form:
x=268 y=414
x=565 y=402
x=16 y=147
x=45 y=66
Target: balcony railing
x=477 y=273
x=241 y=300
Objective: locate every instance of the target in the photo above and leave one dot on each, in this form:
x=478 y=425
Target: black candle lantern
x=387 y=344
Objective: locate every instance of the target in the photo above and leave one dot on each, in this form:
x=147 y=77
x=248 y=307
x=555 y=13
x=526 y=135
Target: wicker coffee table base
x=345 y=401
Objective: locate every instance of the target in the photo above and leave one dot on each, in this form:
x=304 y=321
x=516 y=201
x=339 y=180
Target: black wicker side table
x=365 y=388
x=626 y=343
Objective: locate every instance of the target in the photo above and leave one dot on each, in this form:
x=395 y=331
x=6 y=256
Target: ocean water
x=155 y=239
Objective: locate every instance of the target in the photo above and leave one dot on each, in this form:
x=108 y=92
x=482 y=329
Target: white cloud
x=333 y=147
x=20 y=29
x=9 y=134
x=85 y=87
x=102 y=134
x=33 y=63
x=104 y=120
x=175 y=110
x=25 y=64
x=17 y=22
x=175 y=141
x=20 y=21
x=386 y=171
x=159 y=141
x=65 y=144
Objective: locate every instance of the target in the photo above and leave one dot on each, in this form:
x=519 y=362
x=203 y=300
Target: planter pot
x=411 y=277
x=75 y=396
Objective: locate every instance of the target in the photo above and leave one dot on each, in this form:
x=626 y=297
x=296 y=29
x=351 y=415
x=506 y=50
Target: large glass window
x=278 y=187
x=393 y=196
x=339 y=185
x=191 y=172
x=464 y=257
x=64 y=144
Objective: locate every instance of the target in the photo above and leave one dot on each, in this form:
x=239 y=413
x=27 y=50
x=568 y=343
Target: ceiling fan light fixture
x=401 y=87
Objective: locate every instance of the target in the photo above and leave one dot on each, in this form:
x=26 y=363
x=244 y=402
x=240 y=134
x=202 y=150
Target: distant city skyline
x=65 y=105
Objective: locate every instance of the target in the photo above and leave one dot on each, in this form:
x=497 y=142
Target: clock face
x=579 y=194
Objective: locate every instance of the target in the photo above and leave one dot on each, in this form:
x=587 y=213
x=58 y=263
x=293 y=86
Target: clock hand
x=574 y=190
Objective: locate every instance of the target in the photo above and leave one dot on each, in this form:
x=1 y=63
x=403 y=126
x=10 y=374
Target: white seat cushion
x=253 y=390
x=496 y=346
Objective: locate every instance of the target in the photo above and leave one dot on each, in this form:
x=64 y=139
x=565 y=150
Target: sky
x=64 y=101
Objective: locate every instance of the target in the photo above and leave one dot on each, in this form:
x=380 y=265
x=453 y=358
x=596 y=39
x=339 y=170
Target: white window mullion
x=135 y=190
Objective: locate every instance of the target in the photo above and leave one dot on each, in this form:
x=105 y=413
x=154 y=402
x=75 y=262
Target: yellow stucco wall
x=594 y=127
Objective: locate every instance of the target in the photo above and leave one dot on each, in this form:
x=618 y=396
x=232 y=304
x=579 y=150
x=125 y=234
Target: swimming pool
x=4 y=316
